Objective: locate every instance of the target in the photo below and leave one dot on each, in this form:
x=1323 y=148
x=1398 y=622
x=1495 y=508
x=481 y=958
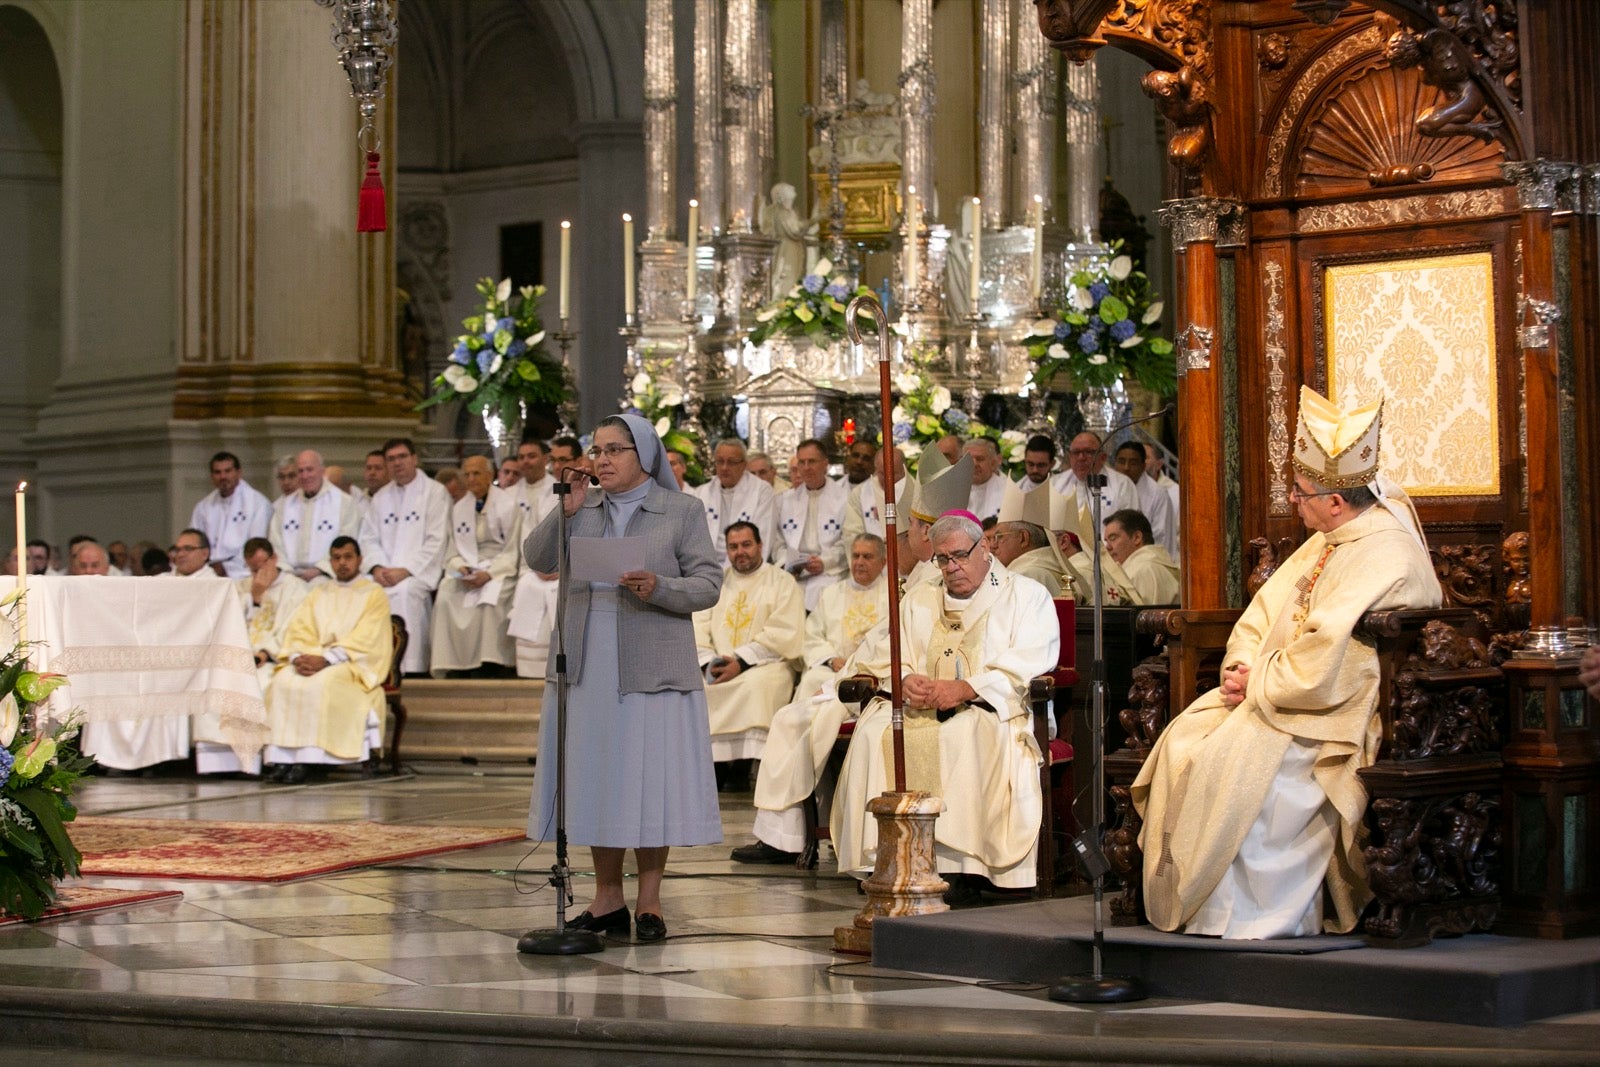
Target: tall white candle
x=22 y=566
x=566 y=269
x=1037 y=273
x=627 y=264
x=977 y=252
x=911 y=243
x=693 y=247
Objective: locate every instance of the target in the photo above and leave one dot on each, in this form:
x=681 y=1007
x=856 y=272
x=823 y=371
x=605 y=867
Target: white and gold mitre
x=941 y=487
x=1336 y=449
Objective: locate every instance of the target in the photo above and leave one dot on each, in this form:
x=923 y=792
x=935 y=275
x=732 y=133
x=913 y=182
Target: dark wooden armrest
x=857 y=689
x=1041 y=688
x=1172 y=622
x=1381 y=624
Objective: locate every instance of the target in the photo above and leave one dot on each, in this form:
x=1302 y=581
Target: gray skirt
x=639 y=764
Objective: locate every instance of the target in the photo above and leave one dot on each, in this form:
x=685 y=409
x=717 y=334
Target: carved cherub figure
x=1446 y=65
x=1180 y=96
x=1146 y=713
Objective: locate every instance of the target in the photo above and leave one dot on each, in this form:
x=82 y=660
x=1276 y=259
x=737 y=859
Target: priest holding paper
x=474 y=600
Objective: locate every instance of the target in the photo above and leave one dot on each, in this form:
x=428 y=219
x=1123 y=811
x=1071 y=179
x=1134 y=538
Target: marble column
x=1034 y=119
x=741 y=94
x=918 y=94
x=660 y=123
x=1085 y=165
x=994 y=110
x=708 y=116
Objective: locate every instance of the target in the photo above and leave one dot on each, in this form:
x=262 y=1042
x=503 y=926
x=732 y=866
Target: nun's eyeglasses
x=610 y=451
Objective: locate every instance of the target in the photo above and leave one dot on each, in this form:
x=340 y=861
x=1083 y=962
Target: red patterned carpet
x=259 y=852
x=83 y=899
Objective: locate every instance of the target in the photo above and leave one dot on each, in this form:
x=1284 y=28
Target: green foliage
x=813 y=309
x=500 y=364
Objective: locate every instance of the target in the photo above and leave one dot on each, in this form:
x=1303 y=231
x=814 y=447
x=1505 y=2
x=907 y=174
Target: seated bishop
x=845 y=615
x=746 y=646
x=736 y=495
x=325 y=704
x=1252 y=802
x=533 y=603
x=803 y=732
x=474 y=599
x=972 y=640
x=1027 y=537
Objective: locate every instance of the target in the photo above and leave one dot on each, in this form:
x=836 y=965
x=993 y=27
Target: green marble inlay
x=1531 y=844
x=1573 y=707
x=1228 y=351
x=1533 y=710
x=1575 y=843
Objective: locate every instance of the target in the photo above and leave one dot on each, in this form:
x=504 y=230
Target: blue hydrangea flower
x=7 y=759
x=1098 y=291
x=488 y=337
x=957 y=419
x=519 y=346
x=1089 y=341
x=504 y=324
x=1063 y=331
x=813 y=283
x=460 y=354
x=485 y=359
x=837 y=290
x=1123 y=330
x=902 y=432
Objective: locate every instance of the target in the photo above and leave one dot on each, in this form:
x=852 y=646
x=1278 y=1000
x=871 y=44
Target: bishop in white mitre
x=474 y=600
x=972 y=641
x=735 y=495
x=231 y=514
x=325 y=704
x=533 y=602
x=746 y=645
x=404 y=538
x=305 y=522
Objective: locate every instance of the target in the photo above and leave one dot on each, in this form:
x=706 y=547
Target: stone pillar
x=610 y=172
x=660 y=123
x=765 y=135
x=1084 y=161
x=1195 y=225
x=741 y=94
x=918 y=95
x=1035 y=118
x=994 y=110
x=707 y=117
x=1537 y=184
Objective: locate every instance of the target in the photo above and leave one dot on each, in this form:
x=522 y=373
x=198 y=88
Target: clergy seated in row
x=404 y=538
x=864 y=508
x=269 y=597
x=1038 y=462
x=810 y=542
x=305 y=522
x=845 y=615
x=1252 y=806
x=735 y=495
x=1027 y=534
x=746 y=646
x=803 y=732
x=533 y=601
x=989 y=486
x=230 y=515
x=325 y=704
x=126 y=745
x=760 y=464
x=1154 y=500
x=474 y=601
x=1133 y=570
x=88 y=559
x=1086 y=456
x=971 y=640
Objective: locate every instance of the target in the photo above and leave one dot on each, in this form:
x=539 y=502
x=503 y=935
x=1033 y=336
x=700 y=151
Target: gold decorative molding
x=1277 y=393
x=871 y=194
x=1434 y=207
x=256 y=390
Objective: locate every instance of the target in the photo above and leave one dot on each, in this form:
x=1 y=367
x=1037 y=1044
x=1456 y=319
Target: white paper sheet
x=605 y=559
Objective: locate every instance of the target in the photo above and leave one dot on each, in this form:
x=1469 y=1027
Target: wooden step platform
x=490 y=720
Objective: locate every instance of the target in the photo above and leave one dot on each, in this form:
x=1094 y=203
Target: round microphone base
x=1102 y=989
x=568 y=942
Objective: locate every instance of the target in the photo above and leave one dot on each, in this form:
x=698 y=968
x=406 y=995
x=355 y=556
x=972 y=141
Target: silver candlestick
x=632 y=365
x=974 y=396
x=568 y=408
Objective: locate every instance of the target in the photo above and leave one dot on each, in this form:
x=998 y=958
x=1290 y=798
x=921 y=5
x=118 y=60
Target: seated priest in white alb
x=1154 y=500
x=305 y=522
x=474 y=600
x=803 y=732
x=746 y=645
x=1086 y=456
x=404 y=538
x=533 y=602
x=230 y=514
x=287 y=473
x=325 y=704
x=270 y=596
x=810 y=542
x=1253 y=808
x=989 y=484
x=863 y=510
x=735 y=495
x=971 y=642
x=134 y=744
x=845 y=615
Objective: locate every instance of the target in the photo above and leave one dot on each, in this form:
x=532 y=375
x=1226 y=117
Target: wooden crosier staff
x=869 y=305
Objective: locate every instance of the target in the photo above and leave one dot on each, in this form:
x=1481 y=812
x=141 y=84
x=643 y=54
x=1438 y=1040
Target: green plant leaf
x=45 y=809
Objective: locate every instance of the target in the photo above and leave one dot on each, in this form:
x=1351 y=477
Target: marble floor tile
x=296 y=905
x=166 y=983
x=325 y=971
x=319 y=926
x=260 y=950
x=482 y=968
x=157 y=933
x=399 y=946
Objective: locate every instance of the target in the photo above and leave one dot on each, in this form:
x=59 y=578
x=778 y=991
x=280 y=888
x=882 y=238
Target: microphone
x=568 y=472
x=1168 y=410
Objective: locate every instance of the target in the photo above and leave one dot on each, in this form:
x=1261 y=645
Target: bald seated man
x=88 y=558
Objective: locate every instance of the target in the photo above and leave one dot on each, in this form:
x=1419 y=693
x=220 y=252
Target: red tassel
x=371 y=212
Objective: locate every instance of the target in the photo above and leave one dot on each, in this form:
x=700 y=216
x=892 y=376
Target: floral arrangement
x=39 y=769
x=1103 y=331
x=814 y=308
x=926 y=412
x=499 y=366
x=657 y=397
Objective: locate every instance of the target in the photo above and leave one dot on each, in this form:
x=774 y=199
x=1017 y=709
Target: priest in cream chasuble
x=845 y=615
x=971 y=641
x=1251 y=803
x=747 y=645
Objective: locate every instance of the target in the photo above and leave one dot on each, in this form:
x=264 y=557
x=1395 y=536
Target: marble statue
x=780 y=220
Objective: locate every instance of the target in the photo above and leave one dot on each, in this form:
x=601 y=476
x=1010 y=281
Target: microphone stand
x=1097 y=987
x=562 y=940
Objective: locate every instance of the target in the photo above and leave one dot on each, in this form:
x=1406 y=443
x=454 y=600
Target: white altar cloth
x=142 y=648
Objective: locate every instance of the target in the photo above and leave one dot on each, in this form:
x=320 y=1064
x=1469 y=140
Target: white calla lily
x=939 y=403
x=1120 y=268
x=10 y=719
x=1081 y=300
x=823 y=268
x=1043 y=327
x=671 y=396
x=1056 y=351
x=1132 y=341
x=466 y=384
x=1153 y=315
x=663 y=424
x=495 y=366
x=906 y=382
x=535 y=340
x=1098 y=359
x=502 y=292
x=641 y=382
x=768 y=314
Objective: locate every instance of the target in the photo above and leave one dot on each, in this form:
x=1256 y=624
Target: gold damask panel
x=1420 y=335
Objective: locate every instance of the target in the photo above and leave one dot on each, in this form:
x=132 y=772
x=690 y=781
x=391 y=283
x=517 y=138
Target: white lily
x=1014 y=437
x=898 y=415
x=940 y=401
x=663 y=424
x=768 y=314
x=1081 y=300
x=1153 y=315
x=641 y=382
x=1042 y=327
x=1098 y=359
x=671 y=396
x=502 y=292
x=906 y=382
x=1120 y=268
x=823 y=268
x=909 y=449
x=1130 y=342
x=534 y=341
